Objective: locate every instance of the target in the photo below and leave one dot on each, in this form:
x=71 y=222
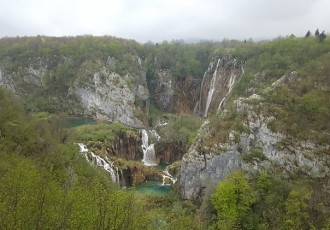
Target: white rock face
x=107 y=96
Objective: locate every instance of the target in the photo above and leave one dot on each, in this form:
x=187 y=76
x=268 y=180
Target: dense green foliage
x=268 y=202
x=45 y=183
x=102 y=131
x=182 y=127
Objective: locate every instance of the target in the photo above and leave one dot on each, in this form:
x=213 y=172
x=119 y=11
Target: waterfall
x=99 y=161
x=168 y=176
x=83 y=150
x=230 y=87
x=149 y=156
x=123 y=183
x=212 y=88
x=199 y=102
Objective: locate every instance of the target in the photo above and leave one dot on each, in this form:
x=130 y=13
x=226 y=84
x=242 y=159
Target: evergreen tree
x=317 y=33
x=308 y=34
x=322 y=36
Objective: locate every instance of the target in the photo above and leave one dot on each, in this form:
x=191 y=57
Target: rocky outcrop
x=136 y=173
x=25 y=79
x=202 y=167
x=106 y=96
x=201 y=171
x=95 y=89
x=168 y=152
x=186 y=94
x=162 y=89
x=255 y=149
x=263 y=149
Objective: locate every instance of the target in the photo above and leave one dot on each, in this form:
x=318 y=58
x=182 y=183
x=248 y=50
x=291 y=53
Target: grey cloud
x=164 y=19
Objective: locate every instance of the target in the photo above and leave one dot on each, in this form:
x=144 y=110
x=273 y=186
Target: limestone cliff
x=252 y=148
x=95 y=88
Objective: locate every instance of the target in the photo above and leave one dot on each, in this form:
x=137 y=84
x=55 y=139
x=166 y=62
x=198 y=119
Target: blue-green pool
x=78 y=121
x=153 y=188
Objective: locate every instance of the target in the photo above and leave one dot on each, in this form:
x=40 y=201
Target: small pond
x=73 y=122
x=153 y=188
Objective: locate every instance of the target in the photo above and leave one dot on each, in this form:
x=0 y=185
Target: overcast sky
x=159 y=20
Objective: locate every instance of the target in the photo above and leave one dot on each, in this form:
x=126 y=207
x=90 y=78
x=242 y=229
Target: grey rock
x=202 y=171
x=107 y=96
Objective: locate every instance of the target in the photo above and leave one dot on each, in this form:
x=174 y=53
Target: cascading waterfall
x=212 y=88
x=99 y=161
x=167 y=175
x=149 y=156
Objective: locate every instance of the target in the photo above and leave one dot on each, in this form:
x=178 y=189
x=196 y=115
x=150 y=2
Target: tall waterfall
x=212 y=88
x=107 y=164
x=217 y=83
x=149 y=156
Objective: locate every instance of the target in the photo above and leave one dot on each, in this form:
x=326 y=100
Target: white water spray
x=167 y=175
x=107 y=165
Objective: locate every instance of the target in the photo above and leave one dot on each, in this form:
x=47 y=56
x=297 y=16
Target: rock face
x=128 y=148
x=168 y=152
x=201 y=171
x=107 y=96
x=23 y=80
x=263 y=149
x=96 y=89
x=256 y=149
x=162 y=90
x=186 y=94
